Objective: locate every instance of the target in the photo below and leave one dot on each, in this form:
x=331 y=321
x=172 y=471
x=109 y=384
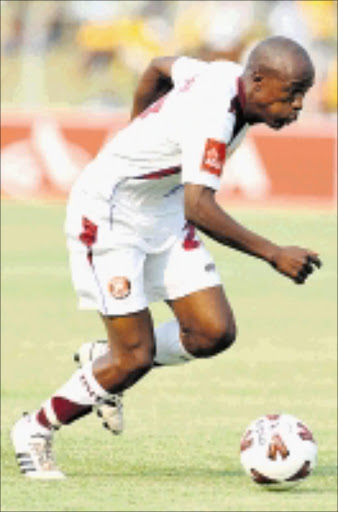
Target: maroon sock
x=67 y=411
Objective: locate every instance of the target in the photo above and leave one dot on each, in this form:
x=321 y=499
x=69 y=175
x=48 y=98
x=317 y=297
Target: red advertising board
x=42 y=153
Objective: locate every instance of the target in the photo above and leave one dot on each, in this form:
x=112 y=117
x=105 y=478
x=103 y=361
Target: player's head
x=277 y=75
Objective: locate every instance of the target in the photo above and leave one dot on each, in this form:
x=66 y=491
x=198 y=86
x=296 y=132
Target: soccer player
x=131 y=227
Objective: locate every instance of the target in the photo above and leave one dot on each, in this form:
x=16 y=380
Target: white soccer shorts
x=122 y=280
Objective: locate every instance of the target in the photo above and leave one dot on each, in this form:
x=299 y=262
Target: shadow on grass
x=212 y=474
x=162 y=472
x=329 y=470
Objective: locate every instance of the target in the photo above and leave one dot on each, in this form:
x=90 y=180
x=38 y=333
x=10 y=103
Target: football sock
x=169 y=349
x=73 y=400
x=81 y=392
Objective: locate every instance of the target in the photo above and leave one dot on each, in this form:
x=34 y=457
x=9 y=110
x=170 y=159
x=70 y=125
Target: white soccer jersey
x=133 y=189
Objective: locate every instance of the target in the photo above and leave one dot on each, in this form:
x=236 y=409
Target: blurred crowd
x=91 y=52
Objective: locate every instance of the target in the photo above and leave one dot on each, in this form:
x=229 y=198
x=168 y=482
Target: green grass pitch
x=180 y=449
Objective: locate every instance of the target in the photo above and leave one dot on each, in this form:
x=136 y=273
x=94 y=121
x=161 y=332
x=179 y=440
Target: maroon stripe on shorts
x=162 y=173
x=88 y=236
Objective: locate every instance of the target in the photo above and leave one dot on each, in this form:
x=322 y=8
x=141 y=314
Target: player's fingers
x=314 y=259
x=303 y=273
x=307 y=268
x=300 y=279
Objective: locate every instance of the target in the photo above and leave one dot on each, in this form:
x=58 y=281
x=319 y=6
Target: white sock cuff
x=50 y=414
x=99 y=391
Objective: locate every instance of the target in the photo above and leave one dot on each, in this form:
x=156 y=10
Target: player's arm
x=202 y=210
x=154 y=83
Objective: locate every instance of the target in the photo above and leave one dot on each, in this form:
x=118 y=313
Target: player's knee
x=215 y=339
x=220 y=338
x=228 y=336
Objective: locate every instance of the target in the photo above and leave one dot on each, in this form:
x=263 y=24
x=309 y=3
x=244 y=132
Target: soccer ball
x=278 y=451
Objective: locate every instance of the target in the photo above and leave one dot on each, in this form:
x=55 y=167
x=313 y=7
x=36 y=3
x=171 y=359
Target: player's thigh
x=186 y=277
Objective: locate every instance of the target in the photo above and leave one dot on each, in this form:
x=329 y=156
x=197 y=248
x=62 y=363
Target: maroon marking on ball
x=259 y=478
x=246 y=441
x=304 y=433
x=303 y=472
x=273 y=417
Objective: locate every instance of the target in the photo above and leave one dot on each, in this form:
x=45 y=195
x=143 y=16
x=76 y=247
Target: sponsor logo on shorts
x=214 y=157
x=209 y=267
x=119 y=287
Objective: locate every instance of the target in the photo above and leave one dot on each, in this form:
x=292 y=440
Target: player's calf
x=109 y=410
x=124 y=369
x=132 y=343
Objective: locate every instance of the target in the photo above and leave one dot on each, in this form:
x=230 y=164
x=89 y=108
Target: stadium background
x=68 y=70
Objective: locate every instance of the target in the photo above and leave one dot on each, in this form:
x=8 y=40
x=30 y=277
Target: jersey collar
x=241 y=93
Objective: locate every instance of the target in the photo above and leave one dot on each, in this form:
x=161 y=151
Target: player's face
x=279 y=101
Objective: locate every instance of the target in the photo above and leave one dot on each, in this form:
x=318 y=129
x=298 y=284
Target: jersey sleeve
x=204 y=145
x=185 y=68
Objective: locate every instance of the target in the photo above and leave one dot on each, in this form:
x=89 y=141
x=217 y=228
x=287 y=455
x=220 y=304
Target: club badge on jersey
x=213 y=157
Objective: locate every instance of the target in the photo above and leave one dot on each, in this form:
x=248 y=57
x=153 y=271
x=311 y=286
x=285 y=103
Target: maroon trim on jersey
x=241 y=92
x=162 y=173
x=236 y=107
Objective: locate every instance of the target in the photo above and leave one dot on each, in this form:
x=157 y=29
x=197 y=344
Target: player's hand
x=295 y=262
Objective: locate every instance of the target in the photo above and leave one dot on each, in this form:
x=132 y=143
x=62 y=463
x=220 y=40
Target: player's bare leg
x=207 y=326
x=109 y=410
x=131 y=353
x=207 y=323
x=169 y=352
